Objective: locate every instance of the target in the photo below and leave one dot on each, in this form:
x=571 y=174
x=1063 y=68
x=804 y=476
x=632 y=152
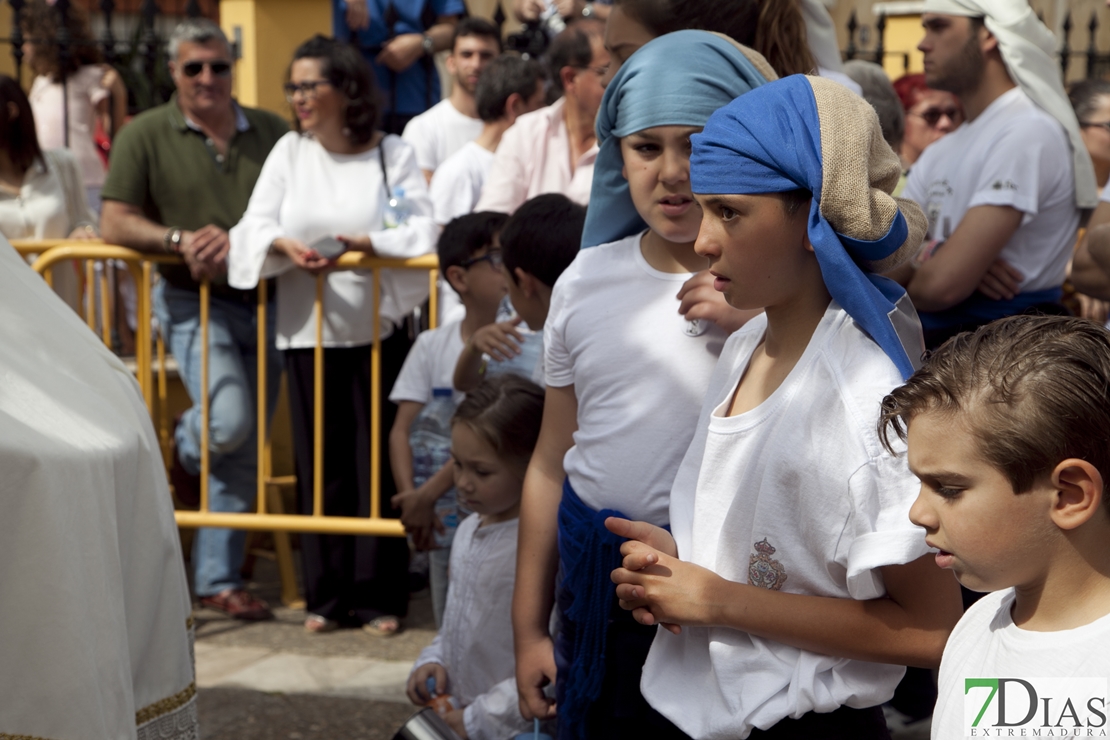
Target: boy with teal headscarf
x=625 y=374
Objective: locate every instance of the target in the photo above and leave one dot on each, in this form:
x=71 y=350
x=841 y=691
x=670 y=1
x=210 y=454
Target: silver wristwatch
x=429 y=45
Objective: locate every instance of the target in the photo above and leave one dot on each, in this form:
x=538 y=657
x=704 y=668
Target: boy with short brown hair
x=1007 y=430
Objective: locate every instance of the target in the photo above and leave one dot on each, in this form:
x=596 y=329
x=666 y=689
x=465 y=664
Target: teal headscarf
x=675 y=80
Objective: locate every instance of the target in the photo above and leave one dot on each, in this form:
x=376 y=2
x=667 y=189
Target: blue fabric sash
x=653 y=89
x=979 y=309
x=588 y=553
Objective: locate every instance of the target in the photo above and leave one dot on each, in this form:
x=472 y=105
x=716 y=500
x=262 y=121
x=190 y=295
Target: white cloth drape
x=95 y=642
x=1029 y=50
x=821 y=35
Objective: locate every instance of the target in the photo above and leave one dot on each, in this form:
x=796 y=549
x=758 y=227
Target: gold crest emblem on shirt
x=763 y=570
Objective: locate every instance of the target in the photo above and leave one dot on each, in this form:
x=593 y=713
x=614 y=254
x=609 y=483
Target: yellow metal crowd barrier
x=141 y=266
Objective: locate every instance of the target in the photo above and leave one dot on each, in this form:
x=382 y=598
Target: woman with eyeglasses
x=930 y=114
x=326 y=188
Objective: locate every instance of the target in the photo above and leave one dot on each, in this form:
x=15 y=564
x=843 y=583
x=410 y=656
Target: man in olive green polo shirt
x=180 y=177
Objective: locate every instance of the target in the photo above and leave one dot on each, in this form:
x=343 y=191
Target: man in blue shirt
x=399 y=39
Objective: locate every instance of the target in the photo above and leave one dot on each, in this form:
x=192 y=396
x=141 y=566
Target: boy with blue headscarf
x=802 y=588
x=625 y=372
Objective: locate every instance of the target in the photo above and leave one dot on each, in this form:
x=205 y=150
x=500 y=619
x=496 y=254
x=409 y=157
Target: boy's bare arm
x=500 y=341
x=908 y=627
x=538 y=554
x=955 y=271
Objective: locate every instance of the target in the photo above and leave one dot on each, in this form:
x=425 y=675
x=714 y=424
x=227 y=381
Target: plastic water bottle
x=430 y=440
x=397 y=209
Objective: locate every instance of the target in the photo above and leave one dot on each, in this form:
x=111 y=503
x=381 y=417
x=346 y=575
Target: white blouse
x=50 y=205
x=305 y=192
x=475 y=643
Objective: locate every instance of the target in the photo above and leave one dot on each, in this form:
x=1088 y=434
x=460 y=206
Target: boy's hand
x=418 y=516
x=499 y=341
x=417 y=688
x=700 y=300
x=654 y=537
x=661 y=589
x=455 y=721
x=535 y=669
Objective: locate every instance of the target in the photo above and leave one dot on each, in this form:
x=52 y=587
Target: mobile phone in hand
x=328 y=247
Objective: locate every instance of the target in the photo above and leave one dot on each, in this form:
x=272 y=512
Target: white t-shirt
x=430 y=364
x=1014 y=154
x=796 y=495
x=987 y=644
x=439 y=132
x=457 y=183
x=475 y=643
x=639 y=370
x=306 y=192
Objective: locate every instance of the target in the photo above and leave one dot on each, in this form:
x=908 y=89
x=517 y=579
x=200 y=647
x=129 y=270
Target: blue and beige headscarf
x=674 y=80
x=808 y=133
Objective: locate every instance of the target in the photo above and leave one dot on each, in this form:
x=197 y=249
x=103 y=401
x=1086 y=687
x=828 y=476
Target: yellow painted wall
x=270 y=31
x=903 y=33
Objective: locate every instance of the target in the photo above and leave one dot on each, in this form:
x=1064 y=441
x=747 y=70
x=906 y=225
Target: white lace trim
x=180 y=724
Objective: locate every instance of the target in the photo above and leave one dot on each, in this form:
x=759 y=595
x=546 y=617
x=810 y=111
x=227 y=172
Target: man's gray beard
x=966 y=72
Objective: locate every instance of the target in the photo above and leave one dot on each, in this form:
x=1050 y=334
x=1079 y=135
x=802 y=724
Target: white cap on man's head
x=1028 y=49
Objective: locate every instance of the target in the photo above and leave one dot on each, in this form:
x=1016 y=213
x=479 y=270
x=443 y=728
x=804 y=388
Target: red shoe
x=186 y=486
x=238 y=603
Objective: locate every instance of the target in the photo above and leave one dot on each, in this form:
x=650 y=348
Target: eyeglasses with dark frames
x=932 y=116
x=219 y=68
x=493 y=257
x=307 y=89
x=599 y=71
x=1095 y=124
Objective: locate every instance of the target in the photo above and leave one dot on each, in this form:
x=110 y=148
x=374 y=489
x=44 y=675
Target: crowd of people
x=737 y=344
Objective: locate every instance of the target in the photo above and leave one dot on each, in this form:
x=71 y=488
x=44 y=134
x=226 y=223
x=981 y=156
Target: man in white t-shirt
x=1013 y=497
x=440 y=131
x=1003 y=192
x=509 y=87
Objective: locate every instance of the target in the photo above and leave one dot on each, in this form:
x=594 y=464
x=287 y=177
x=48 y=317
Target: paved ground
x=273 y=681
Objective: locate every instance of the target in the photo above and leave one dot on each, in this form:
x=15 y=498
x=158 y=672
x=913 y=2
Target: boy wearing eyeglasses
x=420 y=439
x=1002 y=192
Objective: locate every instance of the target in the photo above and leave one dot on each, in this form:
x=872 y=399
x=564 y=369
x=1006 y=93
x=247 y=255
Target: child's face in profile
x=757 y=253
x=485 y=282
x=657 y=167
x=989 y=536
x=487 y=485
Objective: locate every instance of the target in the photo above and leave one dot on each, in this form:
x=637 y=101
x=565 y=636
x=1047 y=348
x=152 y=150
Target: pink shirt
x=85 y=91
x=533 y=158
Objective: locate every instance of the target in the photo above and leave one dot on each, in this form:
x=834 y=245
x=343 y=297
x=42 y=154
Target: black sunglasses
x=932 y=116
x=220 y=69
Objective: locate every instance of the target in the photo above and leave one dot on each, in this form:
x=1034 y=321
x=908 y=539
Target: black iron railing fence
x=138 y=53
x=1097 y=62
